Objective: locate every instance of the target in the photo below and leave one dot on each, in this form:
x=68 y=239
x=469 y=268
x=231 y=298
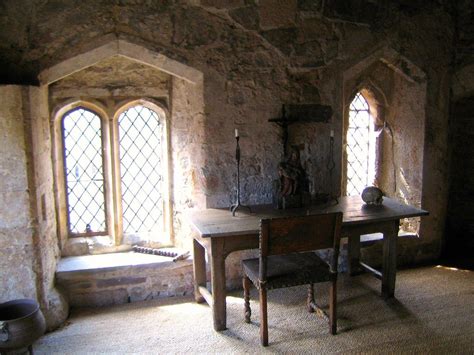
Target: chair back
x=286 y=235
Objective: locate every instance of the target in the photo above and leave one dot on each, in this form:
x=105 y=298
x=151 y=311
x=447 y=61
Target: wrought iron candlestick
x=331 y=165
x=236 y=205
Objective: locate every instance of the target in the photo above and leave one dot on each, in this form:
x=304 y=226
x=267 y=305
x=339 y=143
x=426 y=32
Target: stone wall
x=460 y=226
x=53 y=304
x=18 y=275
x=254 y=56
x=28 y=240
x=113 y=78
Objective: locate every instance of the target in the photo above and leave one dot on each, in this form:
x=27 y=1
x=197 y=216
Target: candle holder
x=237 y=205
x=330 y=166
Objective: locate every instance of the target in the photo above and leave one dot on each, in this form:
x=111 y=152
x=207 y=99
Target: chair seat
x=289 y=270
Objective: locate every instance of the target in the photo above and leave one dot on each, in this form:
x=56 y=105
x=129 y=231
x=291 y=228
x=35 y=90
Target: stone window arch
x=141 y=145
x=362 y=141
x=111 y=170
x=81 y=130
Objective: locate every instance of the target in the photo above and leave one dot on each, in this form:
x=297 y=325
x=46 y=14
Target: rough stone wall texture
x=190 y=181
x=123 y=285
x=17 y=249
x=114 y=77
x=464 y=12
x=460 y=227
x=460 y=223
x=53 y=304
x=254 y=59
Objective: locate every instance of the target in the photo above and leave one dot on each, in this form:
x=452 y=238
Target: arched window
x=141 y=169
x=360 y=147
x=111 y=171
x=84 y=173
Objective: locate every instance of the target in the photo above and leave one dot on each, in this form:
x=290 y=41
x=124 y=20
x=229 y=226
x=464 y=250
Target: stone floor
x=432 y=313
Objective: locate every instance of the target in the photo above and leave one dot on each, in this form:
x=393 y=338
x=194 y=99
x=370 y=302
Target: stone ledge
x=113 y=261
x=107 y=279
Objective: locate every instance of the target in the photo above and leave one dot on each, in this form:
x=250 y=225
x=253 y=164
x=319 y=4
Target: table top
x=220 y=222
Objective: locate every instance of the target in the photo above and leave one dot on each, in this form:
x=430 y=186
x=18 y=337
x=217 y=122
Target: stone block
x=99 y=299
x=15 y=238
x=120 y=281
x=359 y=11
x=14 y=209
x=138 y=294
x=246 y=16
x=315 y=29
x=20 y=280
x=223 y=4
x=135 y=281
x=76 y=246
x=12 y=171
x=57 y=309
x=277 y=13
x=282 y=39
x=310 y=5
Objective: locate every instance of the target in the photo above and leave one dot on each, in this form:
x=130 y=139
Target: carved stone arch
x=163 y=113
x=396 y=87
x=356 y=78
x=185 y=84
x=118 y=47
x=375 y=97
x=390 y=57
x=57 y=115
x=58 y=111
x=153 y=104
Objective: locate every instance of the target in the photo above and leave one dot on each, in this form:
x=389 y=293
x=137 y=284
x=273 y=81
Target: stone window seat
x=106 y=279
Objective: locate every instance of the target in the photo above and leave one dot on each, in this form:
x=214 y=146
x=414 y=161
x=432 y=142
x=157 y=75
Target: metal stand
x=330 y=166
x=236 y=205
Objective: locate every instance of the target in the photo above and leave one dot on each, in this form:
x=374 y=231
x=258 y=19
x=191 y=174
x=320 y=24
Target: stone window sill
x=83 y=246
x=114 y=262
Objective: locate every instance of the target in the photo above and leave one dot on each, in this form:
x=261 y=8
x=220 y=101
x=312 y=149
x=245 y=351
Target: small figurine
x=292 y=175
x=372 y=195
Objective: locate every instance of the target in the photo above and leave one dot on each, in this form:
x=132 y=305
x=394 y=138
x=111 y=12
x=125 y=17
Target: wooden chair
x=287 y=259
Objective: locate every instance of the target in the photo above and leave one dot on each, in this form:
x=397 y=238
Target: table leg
x=218 y=283
x=353 y=251
x=199 y=268
x=389 y=263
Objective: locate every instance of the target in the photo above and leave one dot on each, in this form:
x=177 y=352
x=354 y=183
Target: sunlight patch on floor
x=451 y=268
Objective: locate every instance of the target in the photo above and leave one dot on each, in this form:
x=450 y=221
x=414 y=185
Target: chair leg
x=310 y=300
x=263 y=316
x=247 y=311
x=332 y=307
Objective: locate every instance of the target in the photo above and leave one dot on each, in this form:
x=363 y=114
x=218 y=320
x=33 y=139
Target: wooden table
x=220 y=234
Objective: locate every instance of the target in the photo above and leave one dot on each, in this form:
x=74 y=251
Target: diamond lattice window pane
x=141 y=153
x=84 y=172
x=358 y=146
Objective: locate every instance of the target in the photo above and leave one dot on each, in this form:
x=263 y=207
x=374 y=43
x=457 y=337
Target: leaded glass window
x=360 y=148
x=84 y=175
x=141 y=169
x=112 y=176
